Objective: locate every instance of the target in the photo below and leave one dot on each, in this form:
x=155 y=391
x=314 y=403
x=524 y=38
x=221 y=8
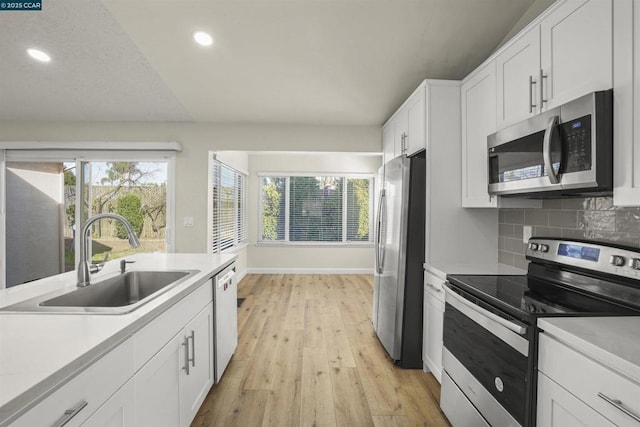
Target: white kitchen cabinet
x=416 y=137
x=196 y=381
x=433 y=321
x=173 y=384
x=118 y=411
x=626 y=111
x=574 y=389
x=478 y=101
x=567 y=54
x=388 y=142
x=518 y=69
x=405 y=132
x=76 y=401
x=559 y=408
x=158 y=386
x=576 y=50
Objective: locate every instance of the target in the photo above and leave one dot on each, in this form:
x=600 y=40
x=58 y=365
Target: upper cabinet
x=518 y=68
x=566 y=55
x=405 y=132
x=478 y=103
x=626 y=109
x=576 y=50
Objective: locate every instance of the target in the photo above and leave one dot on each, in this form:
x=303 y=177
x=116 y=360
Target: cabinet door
x=388 y=141
x=433 y=320
x=118 y=411
x=518 y=70
x=198 y=379
x=626 y=111
x=158 y=387
x=416 y=118
x=576 y=50
x=478 y=121
x=559 y=408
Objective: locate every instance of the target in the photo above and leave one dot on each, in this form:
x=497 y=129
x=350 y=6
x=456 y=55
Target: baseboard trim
x=284 y=270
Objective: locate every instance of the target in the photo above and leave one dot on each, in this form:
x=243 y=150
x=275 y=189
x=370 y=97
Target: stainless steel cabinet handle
x=546 y=150
x=542 y=100
x=404 y=142
x=531 y=104
x=433 y=287
x=193 y=348
x=185 y=343
x=618 y=404
x=70 y=413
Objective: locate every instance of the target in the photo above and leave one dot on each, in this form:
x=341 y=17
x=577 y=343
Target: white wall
x=197 y=141
x=306 y=259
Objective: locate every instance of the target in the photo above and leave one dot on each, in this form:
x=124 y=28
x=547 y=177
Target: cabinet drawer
x=586 y=379
x=94 y=386
x=150 y=339
x=434 y=286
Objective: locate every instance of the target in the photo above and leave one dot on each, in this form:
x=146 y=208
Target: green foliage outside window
x=130 y=207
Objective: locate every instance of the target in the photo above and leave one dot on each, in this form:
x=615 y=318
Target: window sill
x=316 y=244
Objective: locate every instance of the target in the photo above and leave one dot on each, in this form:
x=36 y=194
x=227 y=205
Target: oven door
x=486 y=358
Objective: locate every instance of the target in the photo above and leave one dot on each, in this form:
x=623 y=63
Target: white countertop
x=39 y=352
x=612 y=341
x=441 y=270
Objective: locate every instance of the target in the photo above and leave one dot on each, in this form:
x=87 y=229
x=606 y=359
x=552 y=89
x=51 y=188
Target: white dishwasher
x=225 y=327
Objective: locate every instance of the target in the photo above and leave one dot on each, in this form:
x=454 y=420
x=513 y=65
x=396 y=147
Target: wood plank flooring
x=308 y=356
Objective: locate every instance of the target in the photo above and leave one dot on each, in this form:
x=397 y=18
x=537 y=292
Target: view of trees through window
x=135 y=190
x=320 y=208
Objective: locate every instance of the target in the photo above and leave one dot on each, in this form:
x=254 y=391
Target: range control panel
x=590 y=255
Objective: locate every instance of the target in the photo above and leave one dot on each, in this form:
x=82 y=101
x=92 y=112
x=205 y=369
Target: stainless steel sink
x=114 y=295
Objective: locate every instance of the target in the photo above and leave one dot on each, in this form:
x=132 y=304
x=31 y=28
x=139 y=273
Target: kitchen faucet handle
x=123 y=265
x=94 y=268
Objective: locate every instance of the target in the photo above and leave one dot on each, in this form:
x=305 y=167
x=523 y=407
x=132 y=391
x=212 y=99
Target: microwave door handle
x=546 y=149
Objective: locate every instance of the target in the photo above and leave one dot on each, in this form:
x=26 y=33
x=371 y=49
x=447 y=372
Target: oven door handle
x=518 y=329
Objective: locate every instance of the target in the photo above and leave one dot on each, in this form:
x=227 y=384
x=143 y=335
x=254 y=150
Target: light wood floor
x=308 y=356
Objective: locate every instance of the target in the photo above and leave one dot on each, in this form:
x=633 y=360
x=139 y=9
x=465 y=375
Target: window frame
x=83 y=152
x=311 y=243
x=240 y=209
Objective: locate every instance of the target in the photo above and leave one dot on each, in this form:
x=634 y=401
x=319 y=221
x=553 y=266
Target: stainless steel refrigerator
x=399 y=256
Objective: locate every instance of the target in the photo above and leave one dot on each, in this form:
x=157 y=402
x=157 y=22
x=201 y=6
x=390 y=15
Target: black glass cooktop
x=526 y=297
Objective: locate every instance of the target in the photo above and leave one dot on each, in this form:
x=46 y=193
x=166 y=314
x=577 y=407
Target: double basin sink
x=119 y=294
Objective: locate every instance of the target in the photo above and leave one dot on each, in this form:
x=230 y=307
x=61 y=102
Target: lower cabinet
x=559 y=408
x=433 y=320
x=173 y=384
x=118 y=411
x=197 y=372
x=576 y=390
x=158 y=377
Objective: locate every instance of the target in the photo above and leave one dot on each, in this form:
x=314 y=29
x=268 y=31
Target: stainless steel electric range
x=490 y=333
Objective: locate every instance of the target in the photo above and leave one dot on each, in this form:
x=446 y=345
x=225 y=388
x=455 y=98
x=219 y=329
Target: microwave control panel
x=576 y=135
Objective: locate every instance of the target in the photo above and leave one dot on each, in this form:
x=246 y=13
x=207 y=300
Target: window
x=326 y=209
x=228 y=208
x=52 y=193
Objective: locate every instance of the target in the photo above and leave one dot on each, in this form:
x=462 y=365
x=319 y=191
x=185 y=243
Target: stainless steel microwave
x=567 y=150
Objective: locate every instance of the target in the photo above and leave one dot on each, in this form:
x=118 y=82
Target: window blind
x=229 y=212
x=315 y=208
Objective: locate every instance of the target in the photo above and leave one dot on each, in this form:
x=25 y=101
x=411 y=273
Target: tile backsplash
x=591 y=218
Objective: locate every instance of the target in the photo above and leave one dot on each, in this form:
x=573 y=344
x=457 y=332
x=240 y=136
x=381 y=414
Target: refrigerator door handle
x=379 y=233
x=383 y=232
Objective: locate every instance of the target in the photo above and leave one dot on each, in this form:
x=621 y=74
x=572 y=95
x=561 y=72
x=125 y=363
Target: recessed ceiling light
x=202 y=38
x=39 y=55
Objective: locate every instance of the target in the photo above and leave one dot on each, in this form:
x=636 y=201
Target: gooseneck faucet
x=85 y=269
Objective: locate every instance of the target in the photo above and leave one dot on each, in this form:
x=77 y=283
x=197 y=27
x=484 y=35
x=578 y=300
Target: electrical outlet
x=526 y=233
x=188 y=221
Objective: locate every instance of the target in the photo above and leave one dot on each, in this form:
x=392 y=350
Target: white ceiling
x=341 y=62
